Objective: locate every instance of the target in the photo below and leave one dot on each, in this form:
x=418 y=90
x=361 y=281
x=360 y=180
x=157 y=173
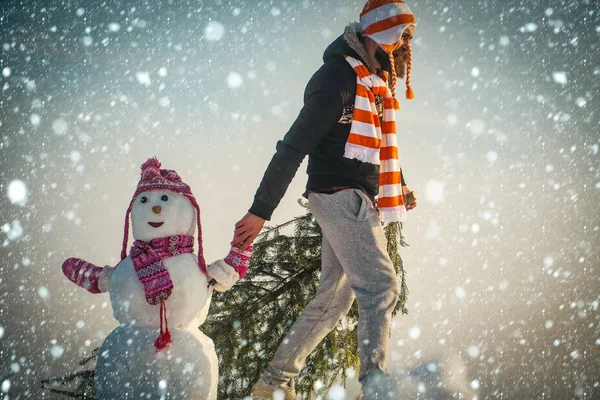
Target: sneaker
x=263 y=391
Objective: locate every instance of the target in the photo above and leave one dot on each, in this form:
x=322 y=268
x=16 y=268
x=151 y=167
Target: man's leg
x=351 y=224
x=331 y=302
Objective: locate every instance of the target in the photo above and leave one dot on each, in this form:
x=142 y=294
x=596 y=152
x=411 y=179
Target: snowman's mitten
x=224 y=275
x=83 y=274
x=239 y=260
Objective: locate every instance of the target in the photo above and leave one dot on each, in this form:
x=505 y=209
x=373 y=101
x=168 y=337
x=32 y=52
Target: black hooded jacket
x=321 y=130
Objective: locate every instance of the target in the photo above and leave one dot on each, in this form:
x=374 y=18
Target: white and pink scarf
x=375 y=142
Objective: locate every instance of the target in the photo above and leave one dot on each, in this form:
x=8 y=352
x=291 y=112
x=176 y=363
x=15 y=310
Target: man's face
x=402 y=51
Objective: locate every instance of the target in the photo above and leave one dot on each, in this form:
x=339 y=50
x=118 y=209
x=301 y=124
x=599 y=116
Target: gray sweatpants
x=354 y=263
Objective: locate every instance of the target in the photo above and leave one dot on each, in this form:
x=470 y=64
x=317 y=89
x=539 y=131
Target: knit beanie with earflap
x=155 y=178
x=384 y=21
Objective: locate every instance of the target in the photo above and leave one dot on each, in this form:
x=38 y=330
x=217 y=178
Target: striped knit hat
x=384 y=21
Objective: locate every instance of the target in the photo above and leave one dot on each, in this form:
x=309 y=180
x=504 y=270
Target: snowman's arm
x=232 y=268
x=92 y=278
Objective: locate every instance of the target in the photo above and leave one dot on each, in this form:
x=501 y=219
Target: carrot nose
x=156 y=209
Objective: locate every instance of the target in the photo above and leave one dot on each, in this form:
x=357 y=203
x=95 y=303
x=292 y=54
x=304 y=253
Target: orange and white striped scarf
x=374 y=142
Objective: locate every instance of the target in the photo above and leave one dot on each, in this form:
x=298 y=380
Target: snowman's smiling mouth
x=155 y=224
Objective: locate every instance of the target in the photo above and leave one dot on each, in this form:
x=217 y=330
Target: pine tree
x=248 y=322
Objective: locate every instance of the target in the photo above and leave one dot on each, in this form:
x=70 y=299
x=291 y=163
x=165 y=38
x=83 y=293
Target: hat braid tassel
x=409 y=92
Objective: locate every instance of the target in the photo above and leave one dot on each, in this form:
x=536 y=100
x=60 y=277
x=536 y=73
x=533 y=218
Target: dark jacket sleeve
x=324 y=100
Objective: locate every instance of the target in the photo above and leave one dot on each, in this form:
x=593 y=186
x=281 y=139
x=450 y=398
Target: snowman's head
x=162 y=205
x=161 y=213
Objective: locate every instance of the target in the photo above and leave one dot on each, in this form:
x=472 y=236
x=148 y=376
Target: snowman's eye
x=164 y=197
x=143 y=199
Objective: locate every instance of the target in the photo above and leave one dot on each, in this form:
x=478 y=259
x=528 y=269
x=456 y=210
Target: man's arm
x=324 y=101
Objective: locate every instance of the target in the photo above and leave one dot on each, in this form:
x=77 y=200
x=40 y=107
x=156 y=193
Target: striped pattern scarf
x=375 y=142
x=148 y=262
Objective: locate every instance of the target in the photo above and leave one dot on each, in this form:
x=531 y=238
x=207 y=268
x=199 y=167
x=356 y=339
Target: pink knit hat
x=154 y=178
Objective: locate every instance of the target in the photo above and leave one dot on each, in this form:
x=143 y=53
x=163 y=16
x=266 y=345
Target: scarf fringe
x=396 y=214
x=362 y=154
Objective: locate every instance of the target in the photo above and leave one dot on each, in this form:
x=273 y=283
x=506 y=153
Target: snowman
x=160 y=295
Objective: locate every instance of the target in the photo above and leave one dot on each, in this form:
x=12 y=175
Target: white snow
x=475 y=72
x=17 y=192
x=492 y=156
x=162 y=72
x=6 y=72
x=549 y=324
x=143 y=77
x=75 y=156
x=434 y=192
x=460 y=292
x=475 y=384
x=43 y=292
x=14 y=231
x=234 y=80
x=87 y=41
x=473 y=351
x=1 y=332
x=476 y=126
x=79 y=12
x=276 y=12
x=6 y=385
x=581 y=102
x=560 y=77
x=336 y=393
x=35 y=119
x=57 y=351
x=531 y=27
x=114 y=27
x=162 y=384
x=504 y=41
x=433 y=230
x=164 y=102
x=214 y=31
x=415 y=332
x=60 y=126
x=548 y=261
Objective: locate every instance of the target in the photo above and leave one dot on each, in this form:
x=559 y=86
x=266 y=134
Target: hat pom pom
x=152 y=162
x=151 y=168
x=409 y=93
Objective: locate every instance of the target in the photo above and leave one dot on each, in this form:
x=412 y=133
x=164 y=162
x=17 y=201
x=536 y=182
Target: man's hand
x=246 y=230
x=405 y=191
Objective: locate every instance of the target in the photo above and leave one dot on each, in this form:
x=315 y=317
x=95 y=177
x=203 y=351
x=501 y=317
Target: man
x=347 y=127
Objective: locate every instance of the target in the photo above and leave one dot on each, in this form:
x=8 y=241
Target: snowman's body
x=129 y=366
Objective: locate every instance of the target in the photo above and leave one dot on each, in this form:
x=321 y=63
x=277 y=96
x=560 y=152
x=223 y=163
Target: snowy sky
x=501 y=144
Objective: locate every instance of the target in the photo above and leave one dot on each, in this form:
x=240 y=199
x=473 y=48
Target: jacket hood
x=350 y=44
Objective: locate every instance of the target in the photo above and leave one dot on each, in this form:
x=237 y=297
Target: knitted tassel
x=164 y=339
x=394 y=76
x=409 y=92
